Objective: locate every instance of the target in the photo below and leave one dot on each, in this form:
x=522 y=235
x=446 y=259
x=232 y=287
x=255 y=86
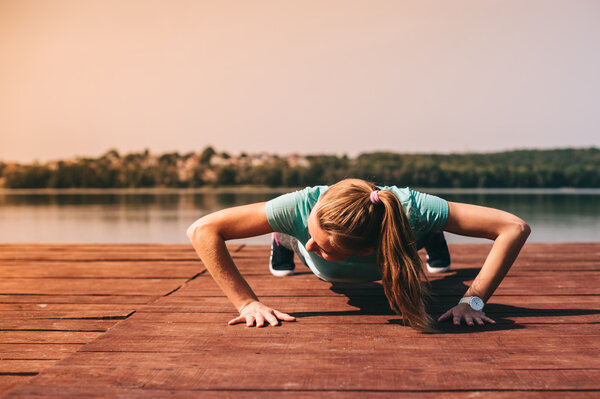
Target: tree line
x=578 y=168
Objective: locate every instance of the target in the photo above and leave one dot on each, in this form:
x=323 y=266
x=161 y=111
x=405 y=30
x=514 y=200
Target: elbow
x=522 y=229
x=197 y=229
x=516 y=228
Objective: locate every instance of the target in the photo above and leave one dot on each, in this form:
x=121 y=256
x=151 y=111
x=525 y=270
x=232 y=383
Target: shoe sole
x=281 y=273
x=434 y=270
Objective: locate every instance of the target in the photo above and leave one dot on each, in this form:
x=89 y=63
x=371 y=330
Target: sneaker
x=436 y=269
x=438 y=256
x=281 y=262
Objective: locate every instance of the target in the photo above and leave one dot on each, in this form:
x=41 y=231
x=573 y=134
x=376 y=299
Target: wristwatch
x=474 y=302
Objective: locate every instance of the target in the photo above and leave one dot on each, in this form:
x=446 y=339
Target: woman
x=356 y=231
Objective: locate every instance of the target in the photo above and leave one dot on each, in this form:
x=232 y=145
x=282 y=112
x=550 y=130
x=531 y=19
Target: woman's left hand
x=464 y=311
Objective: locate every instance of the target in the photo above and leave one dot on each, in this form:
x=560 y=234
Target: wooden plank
x=552 y=333
x=223 y=318
x=538 y=250
x=53 y=391
x=53 y=307
x=576 y=251
x=308 y=284
x=171 y=371
x=37 y=350
x=261 y=267
x=98 y=252
x=91 y=247
x=94 y=269
x=91 y=286
x=506 y=306
x=47 y=337
x=405 y=359
x=78 y=298
x=116 y=314
x=177 y=344
x=20 y=323
x=61 y=310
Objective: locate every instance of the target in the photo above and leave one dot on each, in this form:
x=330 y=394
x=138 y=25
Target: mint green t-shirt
x=289 y=213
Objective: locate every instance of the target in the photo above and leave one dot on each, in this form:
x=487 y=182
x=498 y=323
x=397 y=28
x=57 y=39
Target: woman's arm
x=509 y=234
x=208 y=236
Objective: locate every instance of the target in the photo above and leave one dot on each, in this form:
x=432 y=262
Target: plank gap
x=91 y=318
x=187 y=281
x=39 y=329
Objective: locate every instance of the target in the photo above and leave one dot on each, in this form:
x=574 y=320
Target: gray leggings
x=292 y=244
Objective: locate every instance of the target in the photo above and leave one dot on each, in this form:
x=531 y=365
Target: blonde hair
x=356 y=224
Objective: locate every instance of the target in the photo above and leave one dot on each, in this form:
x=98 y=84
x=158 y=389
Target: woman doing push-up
x=355 y=231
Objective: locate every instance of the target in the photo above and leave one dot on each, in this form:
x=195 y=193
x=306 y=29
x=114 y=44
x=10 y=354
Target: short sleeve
x=282 y=212
x=432 y=211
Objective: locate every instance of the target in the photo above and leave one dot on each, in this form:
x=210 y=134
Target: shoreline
x=266 y=190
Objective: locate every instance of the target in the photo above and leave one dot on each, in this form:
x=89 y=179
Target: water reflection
x=163 y=217
x=553 y=217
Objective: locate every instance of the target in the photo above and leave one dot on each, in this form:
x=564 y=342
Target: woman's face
x=320 y=242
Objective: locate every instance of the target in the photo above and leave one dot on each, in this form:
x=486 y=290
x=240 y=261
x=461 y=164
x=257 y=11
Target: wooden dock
x=147 y=321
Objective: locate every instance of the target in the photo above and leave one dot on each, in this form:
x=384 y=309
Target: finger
x=238 y=319
x=456 y=320
x=488 y=319
x=284 y=316
x=249 y=321
x=479 y=321
x=272 y=319
x=469 y=320
x=260 y=320
x=445 y=315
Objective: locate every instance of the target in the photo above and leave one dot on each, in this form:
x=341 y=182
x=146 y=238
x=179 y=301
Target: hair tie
x=375 y=197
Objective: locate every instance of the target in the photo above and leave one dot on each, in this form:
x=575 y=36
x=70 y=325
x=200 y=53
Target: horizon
x=220 y=151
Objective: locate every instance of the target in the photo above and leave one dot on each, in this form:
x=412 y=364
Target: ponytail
x=400 y=265
x=358 y=220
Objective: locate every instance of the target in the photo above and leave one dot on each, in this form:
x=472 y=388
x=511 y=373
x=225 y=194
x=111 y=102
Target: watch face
x=476 y=303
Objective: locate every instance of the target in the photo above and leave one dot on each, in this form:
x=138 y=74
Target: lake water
x=162 y=216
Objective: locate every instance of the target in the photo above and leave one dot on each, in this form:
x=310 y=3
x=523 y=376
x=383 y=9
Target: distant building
x=217 y=160
x=296 y=160
x=260 y=159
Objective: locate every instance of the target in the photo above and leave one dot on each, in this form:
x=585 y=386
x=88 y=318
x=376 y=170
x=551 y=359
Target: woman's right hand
x=259 y=313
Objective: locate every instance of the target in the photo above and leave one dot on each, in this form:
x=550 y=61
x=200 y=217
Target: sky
x=78 y=77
